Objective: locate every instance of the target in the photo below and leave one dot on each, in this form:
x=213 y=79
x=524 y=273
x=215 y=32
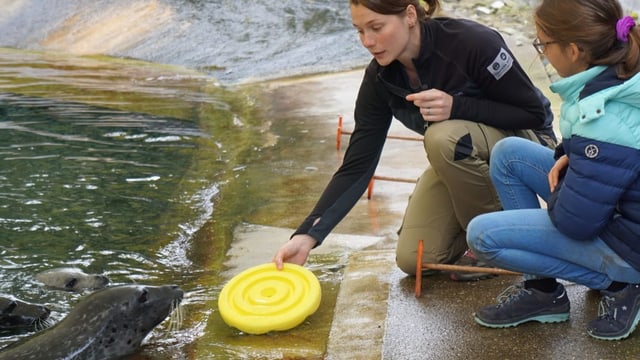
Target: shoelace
x=605 y=310
x=511 y=293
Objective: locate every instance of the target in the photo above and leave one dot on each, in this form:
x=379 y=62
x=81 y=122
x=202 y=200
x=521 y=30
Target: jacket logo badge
x=501 y=64
x=591 y=151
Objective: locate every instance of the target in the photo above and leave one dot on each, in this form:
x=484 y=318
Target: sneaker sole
x=553 y=318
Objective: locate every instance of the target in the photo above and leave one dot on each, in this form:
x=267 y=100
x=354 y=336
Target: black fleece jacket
x=467 y=60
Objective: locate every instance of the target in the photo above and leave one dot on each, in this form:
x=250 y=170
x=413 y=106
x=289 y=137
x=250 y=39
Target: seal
x=71 y=279
x=106 y=324
x=19 y=315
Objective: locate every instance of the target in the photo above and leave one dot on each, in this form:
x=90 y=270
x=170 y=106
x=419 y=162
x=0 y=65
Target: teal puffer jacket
x=600 y=193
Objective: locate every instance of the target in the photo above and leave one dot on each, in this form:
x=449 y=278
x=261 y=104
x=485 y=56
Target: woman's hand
x=295 y=251
x=557 y=170
x=434 y=105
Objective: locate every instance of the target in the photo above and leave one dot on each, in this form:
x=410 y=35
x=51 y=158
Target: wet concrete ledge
x=359 y=322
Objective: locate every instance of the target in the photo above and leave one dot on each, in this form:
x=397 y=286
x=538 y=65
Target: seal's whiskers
x=41 y=324
x=176 y=316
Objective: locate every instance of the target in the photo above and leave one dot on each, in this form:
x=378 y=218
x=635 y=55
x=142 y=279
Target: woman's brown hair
x=394 y=7
x=591 y=25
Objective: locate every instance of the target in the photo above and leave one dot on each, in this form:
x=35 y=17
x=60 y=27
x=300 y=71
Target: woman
x=453 y=81
x=590 y=233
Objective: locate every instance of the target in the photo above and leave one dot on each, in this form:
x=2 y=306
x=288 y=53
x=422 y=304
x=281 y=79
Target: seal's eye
x=71 y=283
x=143 y=297
x=9 y=309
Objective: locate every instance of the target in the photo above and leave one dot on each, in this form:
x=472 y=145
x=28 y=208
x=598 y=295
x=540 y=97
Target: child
x=590 y=233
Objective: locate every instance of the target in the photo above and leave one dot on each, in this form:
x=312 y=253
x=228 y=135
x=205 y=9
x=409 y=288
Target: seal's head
x=19 y=315
x=123 y=316
x=106 y=324
x=71 y=279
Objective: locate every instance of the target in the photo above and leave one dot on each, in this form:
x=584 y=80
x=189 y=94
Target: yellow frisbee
x=263 y=298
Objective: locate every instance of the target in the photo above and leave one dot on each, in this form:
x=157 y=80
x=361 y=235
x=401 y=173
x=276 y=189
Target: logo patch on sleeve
x=501 y=64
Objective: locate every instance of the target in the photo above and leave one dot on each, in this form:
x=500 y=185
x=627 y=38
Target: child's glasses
x=541 y=46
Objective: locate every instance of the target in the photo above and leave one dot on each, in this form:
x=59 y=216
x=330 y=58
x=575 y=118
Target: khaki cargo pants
x=452 y=190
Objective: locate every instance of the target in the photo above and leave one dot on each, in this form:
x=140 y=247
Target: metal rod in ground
x=389 y=178
x=485 y=270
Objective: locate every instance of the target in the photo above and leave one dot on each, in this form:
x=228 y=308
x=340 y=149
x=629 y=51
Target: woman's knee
x=407 y=256
x=406 y=262
x=441 y=139
x=434 y=251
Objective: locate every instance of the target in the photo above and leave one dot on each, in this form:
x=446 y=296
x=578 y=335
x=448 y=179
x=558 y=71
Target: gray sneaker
x=517 y=305
x=618 y=314
x=469 y=259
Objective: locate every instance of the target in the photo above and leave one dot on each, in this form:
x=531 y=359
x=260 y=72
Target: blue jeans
x=522 y=238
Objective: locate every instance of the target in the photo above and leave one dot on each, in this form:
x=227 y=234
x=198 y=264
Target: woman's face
x=385 y=36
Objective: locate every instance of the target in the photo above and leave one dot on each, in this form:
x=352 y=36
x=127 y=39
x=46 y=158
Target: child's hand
x=557 y=171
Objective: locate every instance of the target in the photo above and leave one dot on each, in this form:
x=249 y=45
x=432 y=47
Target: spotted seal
x=20 y=315
x=71 y=279
x=106 y=324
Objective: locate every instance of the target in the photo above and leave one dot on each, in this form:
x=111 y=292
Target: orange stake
x=339 y=136
x=396 y=179
x=340 y=132
x=345 y=132
x=418 y=288
x=448 y=267
x=370 y=188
